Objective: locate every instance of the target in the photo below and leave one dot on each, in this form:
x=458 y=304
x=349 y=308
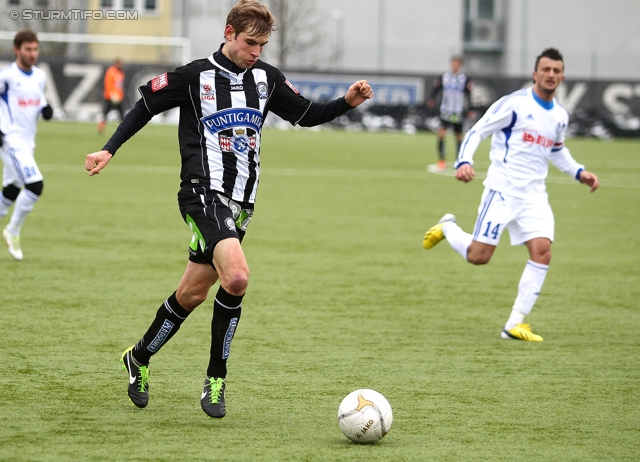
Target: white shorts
x=525 y=219
x=20 y=166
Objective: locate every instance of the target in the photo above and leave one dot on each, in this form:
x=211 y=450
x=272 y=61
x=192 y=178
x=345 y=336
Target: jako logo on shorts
x=162 y=335
x=228 y=337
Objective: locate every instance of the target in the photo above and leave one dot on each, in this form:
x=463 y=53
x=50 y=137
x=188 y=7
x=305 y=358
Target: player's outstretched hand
x=590 y=179
x=358 y=93
x=465 y=173
x=96 y=161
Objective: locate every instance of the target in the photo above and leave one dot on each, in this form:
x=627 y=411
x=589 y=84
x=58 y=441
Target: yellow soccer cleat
x=435 y=234
x=521 y=332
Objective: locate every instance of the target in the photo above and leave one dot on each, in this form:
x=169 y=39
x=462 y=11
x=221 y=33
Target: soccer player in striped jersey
x=528 y=128
x=223 y=101
x=22 y=102
x=454 y=86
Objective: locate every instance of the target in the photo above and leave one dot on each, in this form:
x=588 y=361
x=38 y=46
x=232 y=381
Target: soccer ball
x=365 y=416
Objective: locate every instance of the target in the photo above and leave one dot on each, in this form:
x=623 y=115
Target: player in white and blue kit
x=21 y=103
x=528 y=128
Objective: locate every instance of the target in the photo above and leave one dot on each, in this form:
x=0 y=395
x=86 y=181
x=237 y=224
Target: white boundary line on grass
x=627 y=180
x=305 y=172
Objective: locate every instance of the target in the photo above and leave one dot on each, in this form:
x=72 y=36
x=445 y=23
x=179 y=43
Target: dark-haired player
x=21 y=103
x=528 y=128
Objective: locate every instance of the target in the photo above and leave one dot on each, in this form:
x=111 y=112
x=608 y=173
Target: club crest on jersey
x=159 y=82
x=207 y=94
x=233 y=118
x=262 y=89
x=531 y=137
x=290 y=85
x=240 y=143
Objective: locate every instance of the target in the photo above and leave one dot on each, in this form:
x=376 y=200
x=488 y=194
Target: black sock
x=441 y=149
x=168 y=319
x=226 y=315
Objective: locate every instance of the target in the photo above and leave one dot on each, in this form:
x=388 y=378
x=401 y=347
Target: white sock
x=457 y=238
x=515 y=318
x=528 y=291
x=24 y=204
x=4 y=205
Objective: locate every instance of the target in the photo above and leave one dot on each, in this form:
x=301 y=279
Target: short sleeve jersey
x=526 y=131
x=222 y=112
x=21 y=100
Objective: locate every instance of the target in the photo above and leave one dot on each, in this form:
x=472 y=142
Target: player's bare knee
x=478 y=256
x=479 y=259
x=542 y=258
x=237 y=283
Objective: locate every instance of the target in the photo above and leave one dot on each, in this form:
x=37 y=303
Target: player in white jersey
x=455 y=87
x=528 y=128
x=21 y=103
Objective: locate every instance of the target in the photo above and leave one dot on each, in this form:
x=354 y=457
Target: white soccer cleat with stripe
x=13 y=244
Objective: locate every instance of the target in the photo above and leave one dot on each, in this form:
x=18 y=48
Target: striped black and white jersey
x=222 y=111
x=454 y=87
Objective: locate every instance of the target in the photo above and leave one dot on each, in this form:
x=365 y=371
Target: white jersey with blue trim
x=21 y=100
x=528 y=132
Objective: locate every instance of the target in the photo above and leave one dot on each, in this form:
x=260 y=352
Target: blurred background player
x=454 y=86
x=21 y=103
x=528 y=128
x=113 y=92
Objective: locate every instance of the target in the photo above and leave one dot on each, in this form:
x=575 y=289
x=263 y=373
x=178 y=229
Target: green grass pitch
x=341 y=296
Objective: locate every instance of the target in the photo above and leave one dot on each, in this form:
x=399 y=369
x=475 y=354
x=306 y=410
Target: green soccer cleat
x=138 y=379
x=212 y=399
x=13 y=244
x=521 y=332
x=435 y=234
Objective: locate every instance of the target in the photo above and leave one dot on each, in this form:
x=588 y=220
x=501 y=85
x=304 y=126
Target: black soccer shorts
x=212 y=217
x=457 y=126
